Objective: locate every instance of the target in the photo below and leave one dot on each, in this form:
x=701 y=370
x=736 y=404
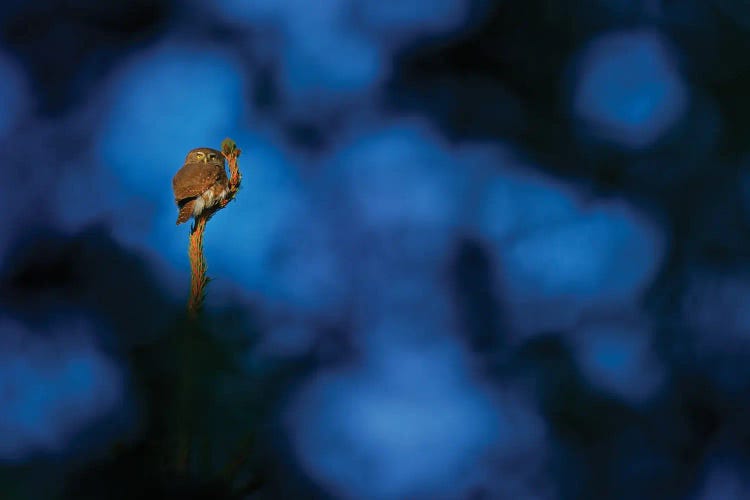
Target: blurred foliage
x=507 y=241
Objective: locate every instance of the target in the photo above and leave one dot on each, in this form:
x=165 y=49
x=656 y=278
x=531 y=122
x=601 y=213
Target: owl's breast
x=209 y=198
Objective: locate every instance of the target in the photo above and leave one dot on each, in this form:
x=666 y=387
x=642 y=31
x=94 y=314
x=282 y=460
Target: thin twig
x=198 y=277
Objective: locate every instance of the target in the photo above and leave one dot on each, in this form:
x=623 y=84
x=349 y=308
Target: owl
x=200 y=184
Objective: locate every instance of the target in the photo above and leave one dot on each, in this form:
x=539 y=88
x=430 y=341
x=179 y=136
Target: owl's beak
x=205 y=159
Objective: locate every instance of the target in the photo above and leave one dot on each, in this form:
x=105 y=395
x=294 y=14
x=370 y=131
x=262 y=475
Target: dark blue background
x=482 y=250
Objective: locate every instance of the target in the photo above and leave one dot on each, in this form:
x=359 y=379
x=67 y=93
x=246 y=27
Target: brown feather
x=186 y=211
x=193 y=179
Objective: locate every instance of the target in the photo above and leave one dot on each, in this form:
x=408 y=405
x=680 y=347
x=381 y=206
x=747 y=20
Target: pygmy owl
x=200 y=184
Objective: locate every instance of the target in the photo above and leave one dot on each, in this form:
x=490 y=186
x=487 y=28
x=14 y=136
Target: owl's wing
x=193 y=179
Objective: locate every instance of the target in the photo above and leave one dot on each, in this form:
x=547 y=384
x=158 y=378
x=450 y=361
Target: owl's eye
x=199 y=155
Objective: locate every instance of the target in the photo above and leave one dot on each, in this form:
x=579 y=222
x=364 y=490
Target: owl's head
x=205 y=155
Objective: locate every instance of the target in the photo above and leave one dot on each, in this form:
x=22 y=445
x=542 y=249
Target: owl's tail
x=186 y=211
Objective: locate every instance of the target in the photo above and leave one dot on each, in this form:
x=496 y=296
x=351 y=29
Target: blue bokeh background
x=482 y=250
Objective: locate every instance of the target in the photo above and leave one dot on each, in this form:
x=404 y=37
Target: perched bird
x=200 y=184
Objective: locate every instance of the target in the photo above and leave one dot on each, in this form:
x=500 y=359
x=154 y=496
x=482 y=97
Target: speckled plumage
x=200 y=183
